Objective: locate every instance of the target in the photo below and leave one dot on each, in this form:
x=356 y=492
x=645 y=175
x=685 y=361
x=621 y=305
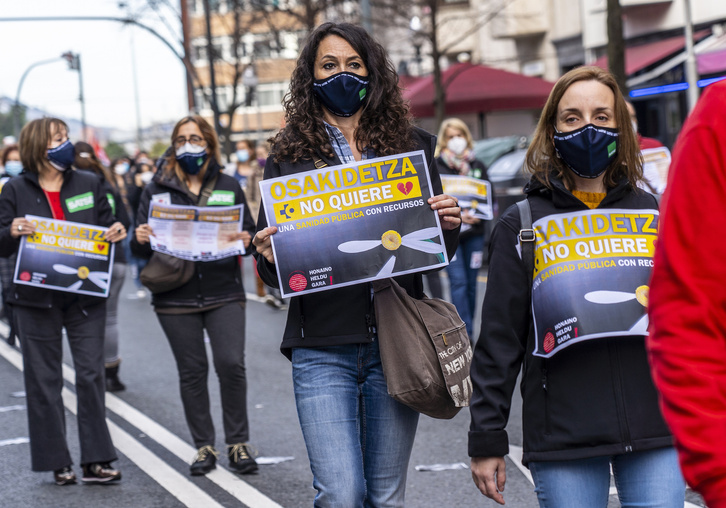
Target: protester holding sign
x=344 y=106
x=212 y=299
x=48 y=188
x=575 y=321
x=455 y=157
x=87 y=160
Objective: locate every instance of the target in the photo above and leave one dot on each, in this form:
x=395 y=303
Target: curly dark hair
x=385 y=124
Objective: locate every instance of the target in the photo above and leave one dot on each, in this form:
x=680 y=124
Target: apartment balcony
x=638 y=3
x=523 y=18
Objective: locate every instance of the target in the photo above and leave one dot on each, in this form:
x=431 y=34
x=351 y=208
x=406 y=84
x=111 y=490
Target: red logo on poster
x=24 y=276
x=297 y=281
x=549 y=342
x=405 y=189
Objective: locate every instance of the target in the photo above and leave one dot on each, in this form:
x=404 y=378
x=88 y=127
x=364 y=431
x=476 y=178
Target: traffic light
x=73 y=60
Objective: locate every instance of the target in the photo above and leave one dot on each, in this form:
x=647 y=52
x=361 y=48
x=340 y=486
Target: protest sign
x=591 y=275
x=353 y=223
x=196 y=233
x=65 y=256
x=473 y=194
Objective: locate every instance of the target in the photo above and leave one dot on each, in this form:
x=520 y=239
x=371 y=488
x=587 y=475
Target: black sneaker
x=240 y=458
x=100 y=472
x=205 y=461
x=64 y=476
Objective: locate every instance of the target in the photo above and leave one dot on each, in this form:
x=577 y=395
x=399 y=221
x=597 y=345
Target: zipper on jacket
x=545 y=389
x=615 y=363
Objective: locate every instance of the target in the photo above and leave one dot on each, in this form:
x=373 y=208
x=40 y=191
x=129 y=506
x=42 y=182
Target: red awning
x=640 y=57
x=476 y=88
x=712 y=62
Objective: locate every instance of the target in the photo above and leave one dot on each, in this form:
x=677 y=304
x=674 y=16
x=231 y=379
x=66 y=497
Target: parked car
x=508 y=178
x=490 y=149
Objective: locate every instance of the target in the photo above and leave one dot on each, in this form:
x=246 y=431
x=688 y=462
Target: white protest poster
x=473 y=194
x=65 y=256
x=196 y=233
x=591 y=276
x=353 y=223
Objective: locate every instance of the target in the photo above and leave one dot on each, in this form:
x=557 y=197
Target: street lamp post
x=16 y=109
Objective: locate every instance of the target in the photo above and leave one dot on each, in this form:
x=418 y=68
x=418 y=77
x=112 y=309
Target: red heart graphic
x=100 y=247
x=405 y=189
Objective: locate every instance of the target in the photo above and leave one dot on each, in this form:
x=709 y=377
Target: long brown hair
x=541 y=158
x=33 y=142
x=385 y=125
x=86 y=158
x=210 y=137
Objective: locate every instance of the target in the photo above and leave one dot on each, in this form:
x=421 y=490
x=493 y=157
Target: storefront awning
x=477 y=88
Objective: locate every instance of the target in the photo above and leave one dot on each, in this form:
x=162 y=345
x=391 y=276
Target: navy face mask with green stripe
x=587 y=151
x=342 y=93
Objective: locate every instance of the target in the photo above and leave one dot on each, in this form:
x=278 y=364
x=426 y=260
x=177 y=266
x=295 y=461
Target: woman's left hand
x=245 y=236
x=115 y=233
x=448 y=210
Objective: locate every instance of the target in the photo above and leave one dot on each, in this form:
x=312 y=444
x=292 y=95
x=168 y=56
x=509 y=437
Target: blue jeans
x=644 y=479
x=358 y=438
x=462 y=279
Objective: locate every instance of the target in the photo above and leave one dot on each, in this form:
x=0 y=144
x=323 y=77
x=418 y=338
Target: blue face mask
x=191 y=158
x=343 y=93
x=62 y=156
x=243 y=155
x=587 y=151
x=13 y=168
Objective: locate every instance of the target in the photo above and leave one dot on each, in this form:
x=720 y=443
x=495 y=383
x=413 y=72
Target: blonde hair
x=541 y=158
x=34 y=139
x=457 y=124
x=210 y=137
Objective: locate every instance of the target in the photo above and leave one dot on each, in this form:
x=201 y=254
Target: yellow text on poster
x=66 y=242
x=347 y=199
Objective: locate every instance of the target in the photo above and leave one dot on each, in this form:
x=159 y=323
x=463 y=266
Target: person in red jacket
x=687 y=342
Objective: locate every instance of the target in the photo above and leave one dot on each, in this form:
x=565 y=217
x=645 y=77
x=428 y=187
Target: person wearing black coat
x=569 y=312
x=48 y=188
x=213 y=299
x=87 y=160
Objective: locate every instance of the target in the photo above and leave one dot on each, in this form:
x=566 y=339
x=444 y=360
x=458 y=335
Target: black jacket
x=591 y=399
x=214 y=282
x=344 y=315
x=478 y=170
x=22 y=195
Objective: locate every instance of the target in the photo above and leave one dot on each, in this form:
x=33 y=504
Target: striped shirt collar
x=341 y=146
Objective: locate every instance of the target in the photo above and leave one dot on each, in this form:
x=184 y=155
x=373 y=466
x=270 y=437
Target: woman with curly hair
x=345 y=105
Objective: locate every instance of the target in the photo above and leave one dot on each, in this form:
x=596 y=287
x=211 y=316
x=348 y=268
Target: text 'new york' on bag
x=425 y=351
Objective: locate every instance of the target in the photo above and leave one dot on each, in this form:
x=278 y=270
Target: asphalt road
x=150 y=433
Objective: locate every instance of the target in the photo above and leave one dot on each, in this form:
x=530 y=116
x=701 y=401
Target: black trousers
x=40 y=332
x=226 y=329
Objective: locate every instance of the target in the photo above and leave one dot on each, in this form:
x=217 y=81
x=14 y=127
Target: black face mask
x=587 y=151
x=343 y=93
x=62 y=156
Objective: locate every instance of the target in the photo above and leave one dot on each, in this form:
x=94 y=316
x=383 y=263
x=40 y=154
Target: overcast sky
x=106 y=60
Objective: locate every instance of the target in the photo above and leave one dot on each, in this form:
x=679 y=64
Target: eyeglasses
x=193 y=139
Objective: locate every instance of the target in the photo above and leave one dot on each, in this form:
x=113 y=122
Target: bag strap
x=527 y=236
x=207 y=191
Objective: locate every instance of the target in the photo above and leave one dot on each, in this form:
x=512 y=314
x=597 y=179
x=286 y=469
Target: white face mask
x=457 y=145
x=147 y=176
x=635 y=126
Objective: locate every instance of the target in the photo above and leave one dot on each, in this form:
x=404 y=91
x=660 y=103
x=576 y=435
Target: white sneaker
x=140 y=294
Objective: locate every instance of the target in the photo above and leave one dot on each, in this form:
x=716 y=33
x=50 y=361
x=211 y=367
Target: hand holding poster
x=196 y=233
x=591 y=275
x=473 y=194
x=65 y=256
x=353 y=223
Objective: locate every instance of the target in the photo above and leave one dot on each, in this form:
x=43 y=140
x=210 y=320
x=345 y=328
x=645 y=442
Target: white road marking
x=15 y=440
x=167 y=477
x=515 y=455
x=5 y=409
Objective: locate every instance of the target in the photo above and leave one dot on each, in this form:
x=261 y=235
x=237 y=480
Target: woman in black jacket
x=86 y=160
x=213 y=299
x=358 y=438
x=566 y=302
x=455 y=157
x=48 y=188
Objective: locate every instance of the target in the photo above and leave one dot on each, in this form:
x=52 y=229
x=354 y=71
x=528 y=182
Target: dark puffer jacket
x=591 y=399
x=214 y=282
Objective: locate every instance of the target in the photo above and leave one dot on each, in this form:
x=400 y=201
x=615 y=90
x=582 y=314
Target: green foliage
x=6 y=122
x=158 y=149
x=115 y=151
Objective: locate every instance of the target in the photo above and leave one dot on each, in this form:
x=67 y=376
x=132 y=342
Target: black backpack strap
x=527 y=236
